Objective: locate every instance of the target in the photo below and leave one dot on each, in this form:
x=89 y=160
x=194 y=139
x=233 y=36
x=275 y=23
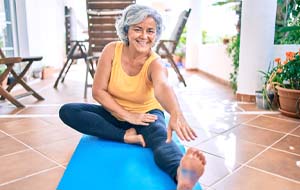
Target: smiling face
x=142 y=36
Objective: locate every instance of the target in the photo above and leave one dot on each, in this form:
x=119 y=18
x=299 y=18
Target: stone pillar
x=21 y=29
x=194 y=36
x=256 y=47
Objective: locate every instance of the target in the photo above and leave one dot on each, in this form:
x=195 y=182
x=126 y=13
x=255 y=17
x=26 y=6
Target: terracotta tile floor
x=246 y=148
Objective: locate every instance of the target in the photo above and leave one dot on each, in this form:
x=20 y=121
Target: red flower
x=278 y=60
x=290 y=55
x=279 y=70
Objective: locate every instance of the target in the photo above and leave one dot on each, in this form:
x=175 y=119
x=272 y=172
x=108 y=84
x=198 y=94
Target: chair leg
x=91 y=68
x=18 y=77
x=174 y=66
x=61 y=72
x=69 y=57
x=86 y=79
x=29 y=89
x=68 y=68
x=10 y=98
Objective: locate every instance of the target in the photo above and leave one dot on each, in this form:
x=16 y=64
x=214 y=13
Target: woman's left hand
x=178 y=124
x=140 y=118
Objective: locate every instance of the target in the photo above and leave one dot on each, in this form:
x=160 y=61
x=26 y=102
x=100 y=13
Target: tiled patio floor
x=246 y=148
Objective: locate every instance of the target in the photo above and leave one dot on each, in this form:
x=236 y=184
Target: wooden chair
x=76 y=49
x=18 y=78
x=101 y=16
x=101 y=29
x=167 y=48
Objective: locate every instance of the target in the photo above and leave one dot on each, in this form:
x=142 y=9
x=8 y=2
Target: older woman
x=132 y=89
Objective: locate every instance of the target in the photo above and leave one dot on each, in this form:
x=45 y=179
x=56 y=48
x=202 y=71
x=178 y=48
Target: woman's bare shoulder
x=109 y=50
x=157 y=64
x=157 y=69
x=110 y=46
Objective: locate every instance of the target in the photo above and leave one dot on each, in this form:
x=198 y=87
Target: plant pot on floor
x=262 y=101
x=47 y=72
x=289 y=101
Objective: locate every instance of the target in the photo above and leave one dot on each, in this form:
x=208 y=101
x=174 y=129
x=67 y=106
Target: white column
x=256 y=47
x=22 y=32
x=194 y=36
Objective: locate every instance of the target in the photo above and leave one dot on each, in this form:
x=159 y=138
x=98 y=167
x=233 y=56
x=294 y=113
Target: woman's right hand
x=141 y=118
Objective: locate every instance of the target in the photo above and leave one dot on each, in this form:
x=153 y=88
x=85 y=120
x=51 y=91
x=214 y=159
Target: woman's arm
x=101 y=78
x=168 y=100
x=102 y=96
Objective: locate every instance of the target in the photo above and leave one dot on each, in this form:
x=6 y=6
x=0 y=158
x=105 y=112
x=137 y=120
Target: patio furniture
x=101 y=16
x=166 y=48
x=18 y=78
x=101 y=30
x=77 y=51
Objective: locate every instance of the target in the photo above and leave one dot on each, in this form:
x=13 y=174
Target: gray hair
x=134 y=14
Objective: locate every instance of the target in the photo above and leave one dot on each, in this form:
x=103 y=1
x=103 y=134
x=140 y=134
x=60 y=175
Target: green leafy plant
x=286 y=73
x=233 y=50
x=287 y=26
x=267 y=94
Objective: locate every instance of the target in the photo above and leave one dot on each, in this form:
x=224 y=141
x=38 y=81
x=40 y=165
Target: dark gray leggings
x=94 y=120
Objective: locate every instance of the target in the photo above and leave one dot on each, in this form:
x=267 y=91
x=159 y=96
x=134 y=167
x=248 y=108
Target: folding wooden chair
x=18 y=78
x=102 y=16
x=167 y=48
x=77 y=51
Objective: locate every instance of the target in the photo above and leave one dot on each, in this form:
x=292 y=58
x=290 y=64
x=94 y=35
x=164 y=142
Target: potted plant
x=265 y=97
x=285 y=79
x=47 y=72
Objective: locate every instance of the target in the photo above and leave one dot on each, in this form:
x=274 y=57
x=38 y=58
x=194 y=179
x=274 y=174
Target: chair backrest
x=102 y=16
x=178 y=29
x=170 y=43
x=68 y=28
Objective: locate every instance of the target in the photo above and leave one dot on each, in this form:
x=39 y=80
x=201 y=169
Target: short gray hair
x=134 y=14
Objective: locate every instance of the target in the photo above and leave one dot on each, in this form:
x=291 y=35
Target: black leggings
x=94 y=120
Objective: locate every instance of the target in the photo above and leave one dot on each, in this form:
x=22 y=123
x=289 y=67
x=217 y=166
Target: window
x=7 y=27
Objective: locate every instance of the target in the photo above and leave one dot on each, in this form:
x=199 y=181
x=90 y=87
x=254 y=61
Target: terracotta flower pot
x=289 y=101
x=47 y=72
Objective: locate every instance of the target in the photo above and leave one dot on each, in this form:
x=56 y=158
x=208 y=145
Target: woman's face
x=142 y=36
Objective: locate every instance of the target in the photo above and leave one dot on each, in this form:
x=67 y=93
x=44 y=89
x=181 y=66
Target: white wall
x=214 y=60
x=280 y=50
x=193 y=35
x=45 y=31
x=256 y=45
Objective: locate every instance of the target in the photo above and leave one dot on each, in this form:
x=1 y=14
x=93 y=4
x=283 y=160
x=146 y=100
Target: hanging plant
x=233 y=48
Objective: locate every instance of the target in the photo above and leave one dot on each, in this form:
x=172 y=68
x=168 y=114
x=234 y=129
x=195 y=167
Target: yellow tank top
x=133 y=93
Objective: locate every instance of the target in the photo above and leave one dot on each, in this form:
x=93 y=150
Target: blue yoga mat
x=101 y=164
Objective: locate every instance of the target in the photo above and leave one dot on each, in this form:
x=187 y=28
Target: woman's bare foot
x=131 y=137
x=190 y=169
